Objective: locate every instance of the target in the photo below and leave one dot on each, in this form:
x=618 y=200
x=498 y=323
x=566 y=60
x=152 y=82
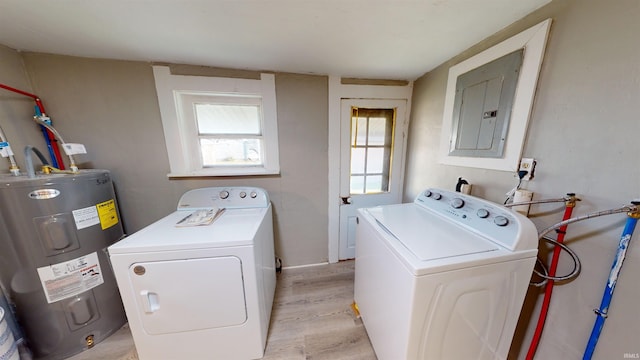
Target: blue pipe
x=54 y=161
x=602 y=312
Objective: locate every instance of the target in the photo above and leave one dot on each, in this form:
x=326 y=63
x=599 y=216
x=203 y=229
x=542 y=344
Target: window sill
x=225 y=172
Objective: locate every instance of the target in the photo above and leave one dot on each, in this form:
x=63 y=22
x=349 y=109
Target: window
x=229 y=129
x=371 y=142
x=218 y=126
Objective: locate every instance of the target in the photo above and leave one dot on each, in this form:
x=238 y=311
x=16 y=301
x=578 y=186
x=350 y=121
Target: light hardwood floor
x=311 y=320
x=312 y=316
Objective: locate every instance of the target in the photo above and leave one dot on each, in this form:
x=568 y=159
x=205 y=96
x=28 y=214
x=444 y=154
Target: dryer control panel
x=233 y=197
x=493 y=221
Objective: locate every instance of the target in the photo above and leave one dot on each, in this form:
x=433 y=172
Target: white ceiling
x=383 y=39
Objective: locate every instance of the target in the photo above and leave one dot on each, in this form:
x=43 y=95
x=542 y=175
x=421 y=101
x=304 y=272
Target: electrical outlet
x=528 y=165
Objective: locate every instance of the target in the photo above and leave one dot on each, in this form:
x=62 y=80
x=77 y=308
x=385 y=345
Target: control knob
x=253 y=194
x=243 y=194
x=224 y=194
x=436 y=196
x=482 y=213
x=501 y=220
x=457 y=203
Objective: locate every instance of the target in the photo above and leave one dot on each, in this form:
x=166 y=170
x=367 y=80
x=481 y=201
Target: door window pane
x=357 y=160
x=360 y=131
x=375 y=160
x=374 y=184
x=377 y=130
x=357 y=184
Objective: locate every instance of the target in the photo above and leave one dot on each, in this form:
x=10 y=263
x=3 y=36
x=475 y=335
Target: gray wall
x=112 y=108
x=16 y=111
x=583 y=132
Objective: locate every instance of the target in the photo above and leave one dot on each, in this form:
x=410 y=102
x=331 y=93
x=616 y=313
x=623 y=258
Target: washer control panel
x=489 y=219
x=233 y=197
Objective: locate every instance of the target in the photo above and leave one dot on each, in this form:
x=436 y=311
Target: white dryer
x=199 y=283
x=443 y=277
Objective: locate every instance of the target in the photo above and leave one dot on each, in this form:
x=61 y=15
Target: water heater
x=54 y=232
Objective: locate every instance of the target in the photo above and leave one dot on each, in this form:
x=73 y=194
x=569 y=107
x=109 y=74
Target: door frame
x=337 y=92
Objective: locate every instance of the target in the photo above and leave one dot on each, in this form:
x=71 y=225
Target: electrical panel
x=482 y=107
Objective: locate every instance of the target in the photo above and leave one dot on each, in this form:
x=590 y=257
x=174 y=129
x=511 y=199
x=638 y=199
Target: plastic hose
x=541 y=236
x=13 y=166
x=603 y=311
x=47 y=139
x=532 y=202
x=41 y=121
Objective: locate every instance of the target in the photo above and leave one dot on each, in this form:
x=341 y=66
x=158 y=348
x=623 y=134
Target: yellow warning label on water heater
x=107 y=213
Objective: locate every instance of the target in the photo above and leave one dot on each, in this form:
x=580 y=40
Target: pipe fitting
x=571 y=199
x=634 y=211
x=90 y=341
x=14 y=170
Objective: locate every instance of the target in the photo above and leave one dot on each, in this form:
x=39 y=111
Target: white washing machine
x=199 y=284
x=443 y=277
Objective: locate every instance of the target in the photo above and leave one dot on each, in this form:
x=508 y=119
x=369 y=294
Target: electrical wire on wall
x=512 y=192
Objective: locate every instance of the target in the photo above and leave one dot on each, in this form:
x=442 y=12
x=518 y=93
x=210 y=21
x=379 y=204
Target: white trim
x=337 y=92
x=533 y=40
x=177 y=136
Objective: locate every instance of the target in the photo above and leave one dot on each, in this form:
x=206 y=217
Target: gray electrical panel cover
x=482 y=107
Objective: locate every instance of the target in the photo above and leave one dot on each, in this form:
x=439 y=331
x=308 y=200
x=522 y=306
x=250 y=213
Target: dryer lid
x=235 y=227
x=428 y=236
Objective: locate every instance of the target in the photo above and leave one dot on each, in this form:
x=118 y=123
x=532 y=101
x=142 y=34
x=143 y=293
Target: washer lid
x=426 y=235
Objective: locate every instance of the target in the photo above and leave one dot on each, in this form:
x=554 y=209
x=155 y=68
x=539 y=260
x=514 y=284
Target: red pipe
x=20 y=92
x=569 y=205
x=50 y=135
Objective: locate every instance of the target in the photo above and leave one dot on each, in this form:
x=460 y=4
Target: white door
x=372 y=135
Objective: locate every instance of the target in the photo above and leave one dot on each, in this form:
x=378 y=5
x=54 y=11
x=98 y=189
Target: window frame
x=387 y=146
x=181 y=134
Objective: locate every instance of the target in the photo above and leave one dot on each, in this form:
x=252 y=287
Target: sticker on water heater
x=108 y=214
x=86 y=217
x=70 y=278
